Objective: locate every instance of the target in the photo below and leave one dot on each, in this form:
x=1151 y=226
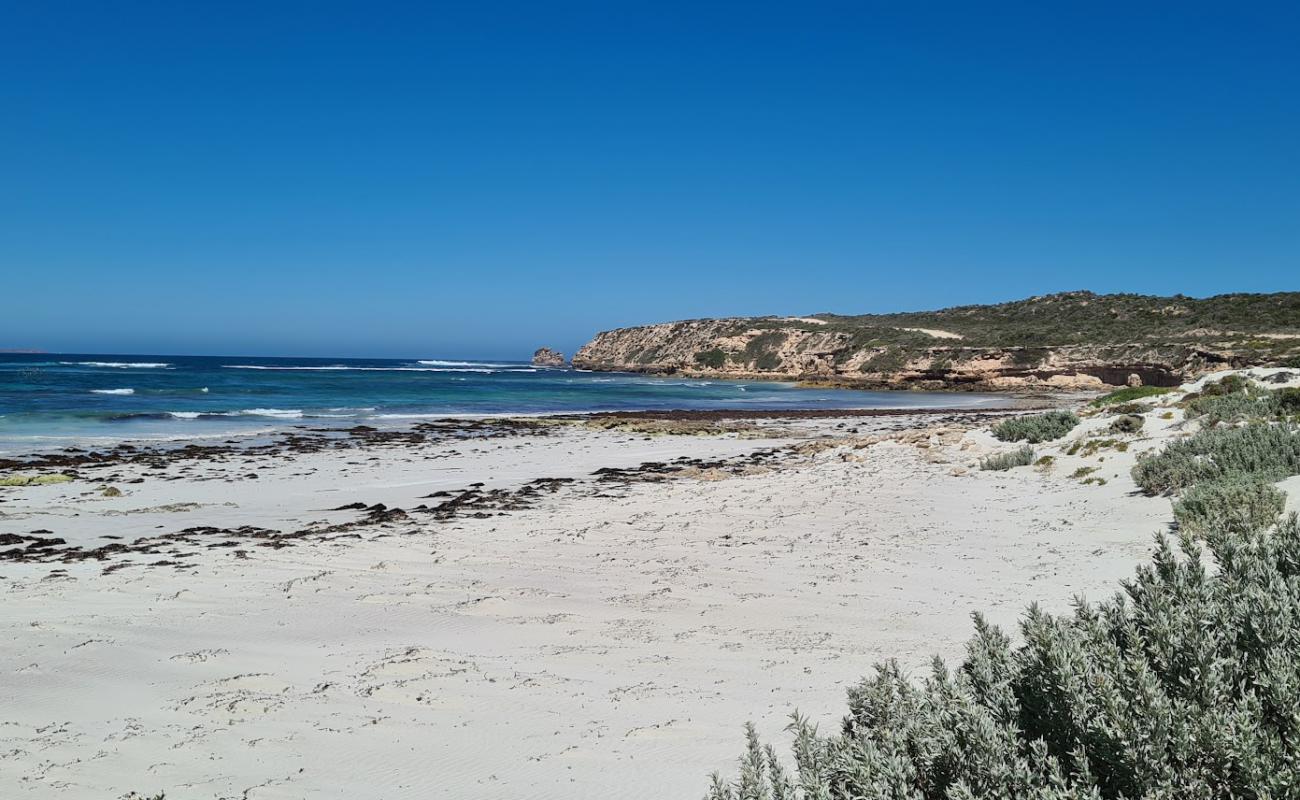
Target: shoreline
x=79 y=451
x=610 y=596
x=589 y=596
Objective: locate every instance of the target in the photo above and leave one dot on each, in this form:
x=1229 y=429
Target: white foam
x=342 y=368
x=274 y=367
x=112 y=391
x=278 y=413
x=281 y=413
x=433 y=362
x=118 y=364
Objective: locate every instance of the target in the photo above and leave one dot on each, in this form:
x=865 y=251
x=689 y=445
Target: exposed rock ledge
x=546 y=357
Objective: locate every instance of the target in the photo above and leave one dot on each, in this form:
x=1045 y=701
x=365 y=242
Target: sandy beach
x=577 y=609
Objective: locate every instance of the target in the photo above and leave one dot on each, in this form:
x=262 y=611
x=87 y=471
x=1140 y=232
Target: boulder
x=546 y=357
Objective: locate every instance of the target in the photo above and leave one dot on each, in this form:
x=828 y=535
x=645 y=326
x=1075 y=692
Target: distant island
x=1067 y=340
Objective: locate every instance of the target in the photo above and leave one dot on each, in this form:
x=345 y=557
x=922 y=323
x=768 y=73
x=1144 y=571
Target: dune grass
x=1020 y=457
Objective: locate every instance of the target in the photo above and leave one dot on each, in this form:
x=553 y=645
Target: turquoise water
x=56 y=400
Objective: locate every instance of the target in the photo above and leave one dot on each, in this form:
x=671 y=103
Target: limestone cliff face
x=961 y=350
x=713 y=347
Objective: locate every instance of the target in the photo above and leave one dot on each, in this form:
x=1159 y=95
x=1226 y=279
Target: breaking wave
x=344 y=368
x=433 y=362
x=118 y=364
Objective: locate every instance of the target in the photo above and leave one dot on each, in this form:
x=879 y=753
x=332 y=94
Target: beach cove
x=532 y=608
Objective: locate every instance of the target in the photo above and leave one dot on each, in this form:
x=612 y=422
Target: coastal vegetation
x=1020 y=457
x=1036 y=428
x=1127 y=423
x=1182 y=685
x=887 y=360
x=1258 y=451
x=1233 y=505
x=1083 y=317
x=1229 y=401
x=1130 y=393
x=713 y=358
x=1090 y=446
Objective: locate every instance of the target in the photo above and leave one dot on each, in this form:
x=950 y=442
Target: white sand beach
x=609 y=639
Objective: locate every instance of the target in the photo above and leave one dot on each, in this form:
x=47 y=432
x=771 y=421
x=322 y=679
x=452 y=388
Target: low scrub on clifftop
x=1080 y=337
x=1037 y=428
x=1183 y=686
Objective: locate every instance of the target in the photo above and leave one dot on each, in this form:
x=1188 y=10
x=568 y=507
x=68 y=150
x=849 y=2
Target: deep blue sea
x=49 y=401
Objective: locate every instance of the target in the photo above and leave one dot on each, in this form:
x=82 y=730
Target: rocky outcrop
x=546 y=357
x=958 y=348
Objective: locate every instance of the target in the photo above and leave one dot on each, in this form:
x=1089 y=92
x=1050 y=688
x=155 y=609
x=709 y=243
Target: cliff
x=1069 y=340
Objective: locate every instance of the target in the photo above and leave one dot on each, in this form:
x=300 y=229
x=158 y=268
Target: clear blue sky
x=479 y=178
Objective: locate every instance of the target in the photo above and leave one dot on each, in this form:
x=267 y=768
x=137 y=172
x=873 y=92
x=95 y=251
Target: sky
x=479 y=179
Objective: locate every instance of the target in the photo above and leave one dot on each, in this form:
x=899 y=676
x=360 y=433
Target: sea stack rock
x=546 y=357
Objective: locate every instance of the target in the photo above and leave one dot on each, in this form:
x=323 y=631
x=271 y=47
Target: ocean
x=51 y=401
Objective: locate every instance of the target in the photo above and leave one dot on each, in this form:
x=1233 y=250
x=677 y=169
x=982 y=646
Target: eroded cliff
x=1075 y=339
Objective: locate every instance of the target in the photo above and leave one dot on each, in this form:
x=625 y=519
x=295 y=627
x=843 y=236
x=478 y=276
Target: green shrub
x=1016 y=458
x=1089 y=447
x=1233 y=505
x=1129 y=394
x=1242 y=406
x=713 y=359
x=764 y=344
x=1028 y=357
x=1288 y=401
x=1127 y=408
x=1036 y=429
x=891 y=359
x=1128 y=423
x=1228 y=384
x=1182 y=686
x=1257 y=452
